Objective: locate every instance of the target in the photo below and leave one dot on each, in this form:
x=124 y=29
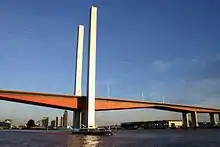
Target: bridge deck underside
x=53 y=101
x=70 y=102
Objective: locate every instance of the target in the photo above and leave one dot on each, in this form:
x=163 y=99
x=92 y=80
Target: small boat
x=93 y=131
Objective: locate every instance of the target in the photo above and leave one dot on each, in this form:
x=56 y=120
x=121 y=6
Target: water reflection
x=84 y=141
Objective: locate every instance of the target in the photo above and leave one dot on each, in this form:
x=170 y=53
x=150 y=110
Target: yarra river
x=123 y=138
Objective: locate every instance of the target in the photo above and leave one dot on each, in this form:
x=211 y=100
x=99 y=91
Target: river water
x=136 y=138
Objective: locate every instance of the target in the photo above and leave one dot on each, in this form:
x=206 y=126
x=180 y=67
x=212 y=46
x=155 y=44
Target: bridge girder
x=70 y=102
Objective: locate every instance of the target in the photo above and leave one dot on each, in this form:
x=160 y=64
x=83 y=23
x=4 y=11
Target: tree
x=30 y=123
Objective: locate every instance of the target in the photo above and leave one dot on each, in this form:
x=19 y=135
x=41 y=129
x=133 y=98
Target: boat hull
x=95 y=132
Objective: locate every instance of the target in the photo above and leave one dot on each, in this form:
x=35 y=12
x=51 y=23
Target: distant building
x=61 y=121
x=45 y=122
x=65 y=118
x=53 y=123
x=132 y=125
x=161 y=124
x=175 y=123
x=56 y=122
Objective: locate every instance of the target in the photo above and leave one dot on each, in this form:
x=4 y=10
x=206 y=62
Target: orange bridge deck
x=70 y=102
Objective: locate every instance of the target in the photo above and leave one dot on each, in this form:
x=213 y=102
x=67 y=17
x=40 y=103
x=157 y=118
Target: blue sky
x=157 y=48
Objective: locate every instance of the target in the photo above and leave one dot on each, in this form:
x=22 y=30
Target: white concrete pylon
x=77 y=119
x=91 y=84
x=79 y=62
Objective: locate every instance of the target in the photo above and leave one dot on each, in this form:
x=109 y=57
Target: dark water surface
x=137 y=138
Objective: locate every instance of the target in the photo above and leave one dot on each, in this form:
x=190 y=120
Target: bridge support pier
x=80 y=119
x=194 y=119
x=212 y=118
x=219 y=117
x=185 y=120
x=77 y=119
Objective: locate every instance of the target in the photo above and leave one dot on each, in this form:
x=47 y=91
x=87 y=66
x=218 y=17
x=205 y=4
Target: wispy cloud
x=106 y=82
x=178 y=62
x=218 y=56
x=162 y=65
x=199 y=85
x=212 y=70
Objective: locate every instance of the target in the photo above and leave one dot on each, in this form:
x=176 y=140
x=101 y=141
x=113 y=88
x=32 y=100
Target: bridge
x=71 y=102
x=76 y=103
x=85 y=106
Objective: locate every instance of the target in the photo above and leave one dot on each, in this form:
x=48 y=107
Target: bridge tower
x=91 y=84
x=87 y=116
x=77 y=118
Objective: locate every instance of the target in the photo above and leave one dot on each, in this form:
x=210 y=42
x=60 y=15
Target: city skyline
x=169 y=55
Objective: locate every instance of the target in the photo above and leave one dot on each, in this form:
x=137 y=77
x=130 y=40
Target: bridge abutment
x=185 y=118
x=194 y=119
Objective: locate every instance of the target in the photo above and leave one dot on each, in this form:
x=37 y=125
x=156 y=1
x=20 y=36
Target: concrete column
x=194 y=119
x=79 y=62
x=185 y=120
x=77 y=118
x=80 y=119
x=92 y=68
x=80 y=116
x=56 y=122
x=77 y=121
x=61 y=121
x=212 y=118
x=84 y=117
x=219 y=117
